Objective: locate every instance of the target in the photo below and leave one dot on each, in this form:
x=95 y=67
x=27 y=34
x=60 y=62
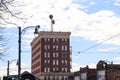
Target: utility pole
x=19 y=52
x=8 y=66
x=20 y=31
x=8 y=69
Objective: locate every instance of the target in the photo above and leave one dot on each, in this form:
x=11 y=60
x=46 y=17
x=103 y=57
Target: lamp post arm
x=36 y=27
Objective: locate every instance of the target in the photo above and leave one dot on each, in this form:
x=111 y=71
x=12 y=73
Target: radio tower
x=52 y=22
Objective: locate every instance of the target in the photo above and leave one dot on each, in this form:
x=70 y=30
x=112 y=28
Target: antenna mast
x=52 y=22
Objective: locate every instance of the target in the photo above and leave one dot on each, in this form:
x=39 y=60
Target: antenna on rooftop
x=52 y=22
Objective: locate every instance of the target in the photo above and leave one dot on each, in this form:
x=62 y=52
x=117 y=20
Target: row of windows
x=55 y=62
x=48 y=40
x=55 y=40
x=56 y=47
x=55 y=55
x=55 y=69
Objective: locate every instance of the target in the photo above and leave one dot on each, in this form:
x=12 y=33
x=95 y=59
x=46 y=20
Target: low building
x=87 y=73
x=107 y=71
x=77 y=75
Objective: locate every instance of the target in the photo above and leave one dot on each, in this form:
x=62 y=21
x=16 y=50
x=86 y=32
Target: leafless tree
x=2 y=43
x=7 y=11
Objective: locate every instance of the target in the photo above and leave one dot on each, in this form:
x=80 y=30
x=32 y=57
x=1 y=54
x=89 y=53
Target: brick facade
x=51 y=55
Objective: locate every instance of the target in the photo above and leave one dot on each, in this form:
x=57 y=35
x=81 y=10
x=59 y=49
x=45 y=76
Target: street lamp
x=9 y=65
x=19 y=45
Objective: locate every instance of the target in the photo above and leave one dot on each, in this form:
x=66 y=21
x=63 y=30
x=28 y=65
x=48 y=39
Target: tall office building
x=51 y=55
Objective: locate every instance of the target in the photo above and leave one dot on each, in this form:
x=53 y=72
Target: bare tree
x=3 y=43
x=7 y=12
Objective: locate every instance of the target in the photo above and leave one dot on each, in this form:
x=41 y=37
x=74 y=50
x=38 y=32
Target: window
x=101 y=75
x=47 y=62
x=47 y=47
x=64 y=69
x=64 y=39
x=55 y=69
x=46 y=69
x=55 y=40
x=83 y=76
x=55 y=55
x=64 y=47
x=64 y=55
x=55 y=62
x=46 y=39
x=55 y=47
x=64 y=62
x=46 y=55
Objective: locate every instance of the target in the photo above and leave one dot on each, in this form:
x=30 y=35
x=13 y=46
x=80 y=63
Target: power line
x=98 y=44
x=104 y=52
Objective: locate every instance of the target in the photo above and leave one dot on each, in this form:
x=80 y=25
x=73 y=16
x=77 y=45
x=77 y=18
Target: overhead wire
x=97 y=44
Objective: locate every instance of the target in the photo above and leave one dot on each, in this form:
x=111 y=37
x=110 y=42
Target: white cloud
x=69 y=17
x=92 y=3
x=75 y=67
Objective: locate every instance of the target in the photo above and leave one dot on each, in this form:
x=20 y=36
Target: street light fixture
x=19 y=45
x=36 y=31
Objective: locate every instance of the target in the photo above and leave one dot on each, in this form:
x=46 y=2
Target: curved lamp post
x=9 y=62
x=19 y=44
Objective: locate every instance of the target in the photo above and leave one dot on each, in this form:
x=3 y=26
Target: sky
x=94 y=27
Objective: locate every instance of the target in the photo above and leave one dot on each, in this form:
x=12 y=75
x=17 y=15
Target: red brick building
x=87 y=73
x=108 y=71
x=51 y=55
